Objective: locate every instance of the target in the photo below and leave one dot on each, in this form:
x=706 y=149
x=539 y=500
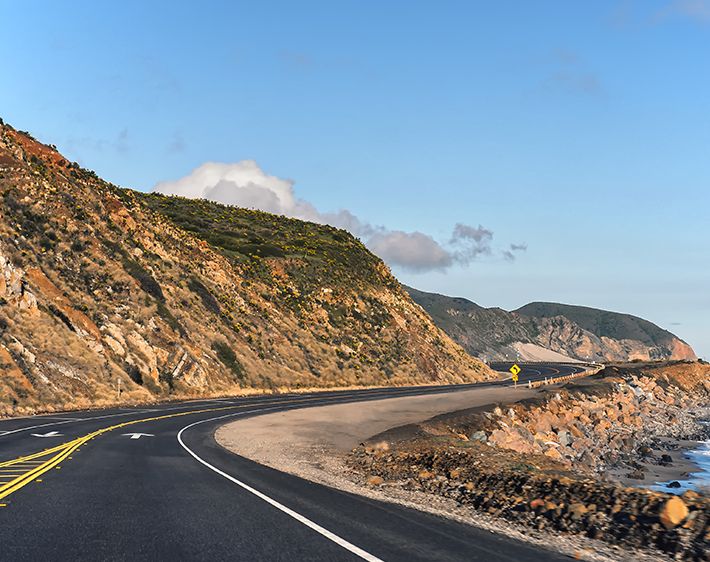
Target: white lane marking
x=138 y=435
x=34 y=427
x=49 y=434
x=288 y=511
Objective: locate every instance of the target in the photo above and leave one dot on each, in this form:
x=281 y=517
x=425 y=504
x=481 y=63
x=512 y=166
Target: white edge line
x=288 y=511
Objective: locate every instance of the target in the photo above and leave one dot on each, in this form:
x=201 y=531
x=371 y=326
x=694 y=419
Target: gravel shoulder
x=286 y=440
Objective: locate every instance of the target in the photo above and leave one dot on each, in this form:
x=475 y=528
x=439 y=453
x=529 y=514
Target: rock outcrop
x=540 y=498
x=13 y=286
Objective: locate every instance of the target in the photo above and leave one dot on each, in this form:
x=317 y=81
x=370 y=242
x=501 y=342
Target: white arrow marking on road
x=50 y=434
x=138 y=435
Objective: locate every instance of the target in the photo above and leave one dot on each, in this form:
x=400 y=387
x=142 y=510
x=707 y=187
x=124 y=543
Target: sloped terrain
x=179 y=298
x=577 y=332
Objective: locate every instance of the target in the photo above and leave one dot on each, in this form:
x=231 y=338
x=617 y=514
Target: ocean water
x=701 y=457
x=699 y=480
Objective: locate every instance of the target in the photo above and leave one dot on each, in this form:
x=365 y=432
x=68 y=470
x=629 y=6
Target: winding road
x=150 y=483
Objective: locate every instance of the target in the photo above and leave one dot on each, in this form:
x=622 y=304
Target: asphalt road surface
x=150 y=483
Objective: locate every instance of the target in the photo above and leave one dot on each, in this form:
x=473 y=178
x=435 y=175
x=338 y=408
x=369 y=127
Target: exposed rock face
x=577 y=332
x=188 y=298
x=13 y=286
x=623 y=336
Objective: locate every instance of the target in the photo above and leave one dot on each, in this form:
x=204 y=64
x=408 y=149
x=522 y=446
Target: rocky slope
x=187 y=298
x=600 y=424
x=574 y=331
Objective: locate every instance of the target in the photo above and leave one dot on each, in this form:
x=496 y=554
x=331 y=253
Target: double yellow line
x=30 y=467
x=24 y=470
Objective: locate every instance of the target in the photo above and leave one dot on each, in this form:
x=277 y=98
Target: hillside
x=602 y=323
x=180 y=298
x=577 y=332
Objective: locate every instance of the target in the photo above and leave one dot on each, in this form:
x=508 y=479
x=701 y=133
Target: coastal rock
x=673 y=513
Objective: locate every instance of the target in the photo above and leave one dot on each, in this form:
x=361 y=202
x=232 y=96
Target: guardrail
x=553 y=380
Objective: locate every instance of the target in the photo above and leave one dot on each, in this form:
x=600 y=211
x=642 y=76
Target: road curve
x=152 y=484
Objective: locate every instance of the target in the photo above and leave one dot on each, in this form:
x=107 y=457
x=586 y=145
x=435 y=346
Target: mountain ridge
x=578 y=332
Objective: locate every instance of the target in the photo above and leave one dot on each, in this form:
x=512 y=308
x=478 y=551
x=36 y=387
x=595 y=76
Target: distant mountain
x=184 y=298
x=540 y=331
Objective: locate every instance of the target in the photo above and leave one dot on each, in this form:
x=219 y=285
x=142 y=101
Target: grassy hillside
x=313 y=253
x=481 y=331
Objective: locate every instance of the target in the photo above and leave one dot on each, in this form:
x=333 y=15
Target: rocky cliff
x=180 y=298
x=574 y=331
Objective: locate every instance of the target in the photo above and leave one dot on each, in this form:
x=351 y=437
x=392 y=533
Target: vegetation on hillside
x=602 y=322
x=315 y=253
x=575 y=331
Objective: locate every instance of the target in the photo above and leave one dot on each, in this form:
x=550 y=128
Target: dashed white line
x=288 y=511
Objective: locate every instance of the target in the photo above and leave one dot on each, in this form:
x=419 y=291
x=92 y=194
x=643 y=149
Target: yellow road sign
x=515 y=370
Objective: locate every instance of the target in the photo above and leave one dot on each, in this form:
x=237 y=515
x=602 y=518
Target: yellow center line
x=61 y=452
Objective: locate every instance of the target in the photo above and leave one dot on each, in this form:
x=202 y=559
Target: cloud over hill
x=245 y=184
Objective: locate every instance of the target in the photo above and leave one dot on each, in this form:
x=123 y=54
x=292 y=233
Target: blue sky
x=581 y=130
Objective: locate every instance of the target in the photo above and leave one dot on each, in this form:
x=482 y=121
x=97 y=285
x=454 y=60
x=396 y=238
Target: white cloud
x=245 y=184
x=415 y=251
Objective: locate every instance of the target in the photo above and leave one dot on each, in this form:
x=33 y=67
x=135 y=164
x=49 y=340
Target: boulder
x=564 y=438
x=545 y=422
x=478 y=436
x=673 y=513
x=554 y=454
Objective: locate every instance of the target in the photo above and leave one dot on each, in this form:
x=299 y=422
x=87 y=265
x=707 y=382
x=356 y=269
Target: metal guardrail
x=564 y=378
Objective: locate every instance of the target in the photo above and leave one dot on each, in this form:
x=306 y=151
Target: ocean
x=699 y=480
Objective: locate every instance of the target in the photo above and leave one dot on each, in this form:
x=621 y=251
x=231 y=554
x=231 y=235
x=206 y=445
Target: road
x=152 y=484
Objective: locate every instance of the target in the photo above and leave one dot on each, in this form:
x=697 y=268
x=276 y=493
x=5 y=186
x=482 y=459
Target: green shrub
x=228 y=358
x=170 y=320
x=208 y=299
x=77 y=246
x=144 y=278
